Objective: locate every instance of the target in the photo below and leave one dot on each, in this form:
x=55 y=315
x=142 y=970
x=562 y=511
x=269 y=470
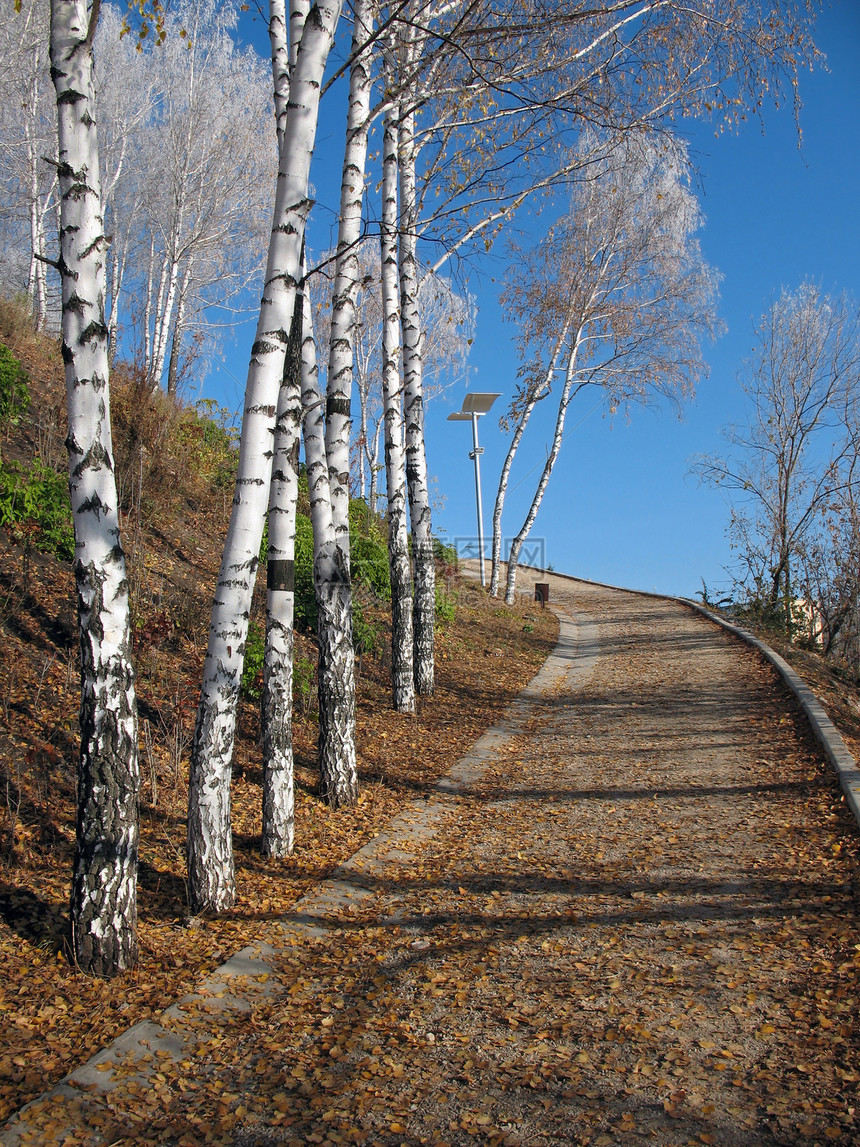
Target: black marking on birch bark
x=68 y=355
x=72 y=445
x=249 y=482
x=87 y=120
x=63 y=268
x=263 y=347
x=93 y=505
x=70 y=97
x=95 y=458
x=99 y=241
x=280 y=575
x=413 y=473
x=78 y=191
x=249 y=564
x=337 y=405
x=232 y=582
x=76 y=304
x=268 y=411
x=95 y=332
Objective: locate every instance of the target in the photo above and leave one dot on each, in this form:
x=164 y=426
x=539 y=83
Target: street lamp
x=474 y=405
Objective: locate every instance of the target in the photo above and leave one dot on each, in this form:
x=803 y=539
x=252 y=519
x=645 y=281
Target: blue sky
x=621 y=506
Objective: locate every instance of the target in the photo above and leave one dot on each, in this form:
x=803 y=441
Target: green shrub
x=208 y=437
x=368 y=550
x=444 y=554
x=305 y=605
x=368 y=559
x=368 y=562
x=252 y=669
x=14 y=392
x=35 y=508
x=304 y=681
x=366 y=634
x=445 y=608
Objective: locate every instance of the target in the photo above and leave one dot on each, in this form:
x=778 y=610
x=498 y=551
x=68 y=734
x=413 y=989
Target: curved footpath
x=628 y=915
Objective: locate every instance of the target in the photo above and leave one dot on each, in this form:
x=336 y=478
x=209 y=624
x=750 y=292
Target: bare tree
x=28 y=131
x=205 y=194
x=616 y=296
x=793 y=459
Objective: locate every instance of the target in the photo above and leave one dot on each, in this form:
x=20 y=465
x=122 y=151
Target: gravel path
x=638 y=923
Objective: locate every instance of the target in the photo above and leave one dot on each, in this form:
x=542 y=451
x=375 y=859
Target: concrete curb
x=826 y=733
x=82 y=1098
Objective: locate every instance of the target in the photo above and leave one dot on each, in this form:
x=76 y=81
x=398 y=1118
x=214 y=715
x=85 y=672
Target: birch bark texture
x=347 y=269
x=402 y=670
x=336 y=674
x=338 y=771
x=276 y=706
x=210 y=850
x=424 y=570
x=104 y=879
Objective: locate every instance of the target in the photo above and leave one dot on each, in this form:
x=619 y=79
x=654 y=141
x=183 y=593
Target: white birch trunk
x=539 y=393
x=116 y=262
x=166 y=302
x=336 y=745
x=424 y=609
x=276 y=709
x=362 y=448
x=280 y=64
x=343 y=319
x=374 y=470
x=210 y=850
x=336 y=677
x=37 y=285
x=103 y=897
x=179 y=328
x=402 y=671
x=158 y=310
x=564 y=402
x=147 y=309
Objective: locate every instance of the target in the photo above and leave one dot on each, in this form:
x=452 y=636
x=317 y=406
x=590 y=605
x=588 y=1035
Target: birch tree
x=402 y=669
x=338 y=775
x=103 y=897
x=277 y=700
x=793 y=459
x=336 y=747
x=617 y=295
x=210 y=853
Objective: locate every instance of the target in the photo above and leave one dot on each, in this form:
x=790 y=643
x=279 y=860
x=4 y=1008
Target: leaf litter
x=640 y=925
x=52 y=1019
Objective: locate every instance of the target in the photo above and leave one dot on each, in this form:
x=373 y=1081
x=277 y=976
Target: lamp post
x=474 y=405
